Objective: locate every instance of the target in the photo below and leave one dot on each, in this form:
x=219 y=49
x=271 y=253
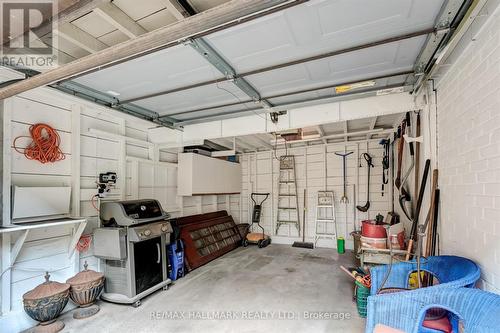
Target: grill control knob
x=164 y=228
x=147 y=232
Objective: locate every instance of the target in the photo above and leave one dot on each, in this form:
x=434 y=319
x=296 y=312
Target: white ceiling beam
x=337 y=112
x=176 y=9
x=230 y=144
x=115 y=16
x=321 y=132
x=256 y=138
x=223 y=153
x=227 y=14
x=62 y=58
x=346 y=130
x=69 y=14
x=245 y=145
x=373 y=122
x=341 y=135
x=80 y=38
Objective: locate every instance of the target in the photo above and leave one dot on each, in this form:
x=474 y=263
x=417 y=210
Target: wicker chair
x=478 y=310
x=452 y=272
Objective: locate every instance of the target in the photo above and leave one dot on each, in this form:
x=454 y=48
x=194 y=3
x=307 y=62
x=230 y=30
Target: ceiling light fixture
x=113 y=93
x=357 y=85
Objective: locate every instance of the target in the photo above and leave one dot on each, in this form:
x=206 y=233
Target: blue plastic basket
x=175 y=253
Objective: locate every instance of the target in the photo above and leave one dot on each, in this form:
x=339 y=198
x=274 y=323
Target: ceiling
x=60 y=6
x=373 y=128
x=314 y=50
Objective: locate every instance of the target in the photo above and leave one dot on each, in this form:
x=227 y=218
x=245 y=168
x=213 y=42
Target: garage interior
x=265 y=165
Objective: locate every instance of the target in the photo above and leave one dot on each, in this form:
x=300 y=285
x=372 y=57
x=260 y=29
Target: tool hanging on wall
x=369 y=165
x=386 y=143
x=401 y=145
x=414 y=225
x=404 y=194
x=417 y=155
x=344 y=199
x=434 y=221
x=395 y=137
x=431 y=232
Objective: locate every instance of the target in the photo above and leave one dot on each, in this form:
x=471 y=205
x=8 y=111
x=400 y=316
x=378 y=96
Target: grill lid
x=131 y=212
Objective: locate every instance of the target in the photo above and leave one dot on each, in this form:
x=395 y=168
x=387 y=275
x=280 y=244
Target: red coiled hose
x=45 y=145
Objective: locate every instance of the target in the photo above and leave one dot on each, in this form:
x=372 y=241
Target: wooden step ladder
x=325 y=222
x=288 y=201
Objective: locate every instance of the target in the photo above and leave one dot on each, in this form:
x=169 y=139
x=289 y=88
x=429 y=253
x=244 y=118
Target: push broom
x=304 y=244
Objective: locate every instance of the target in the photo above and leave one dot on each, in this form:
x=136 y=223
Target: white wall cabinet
x=198 y=175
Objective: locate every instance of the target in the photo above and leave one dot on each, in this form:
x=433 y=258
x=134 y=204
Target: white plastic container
x=374 y=243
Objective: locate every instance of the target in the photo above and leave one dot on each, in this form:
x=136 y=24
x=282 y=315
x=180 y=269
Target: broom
x=304 y=244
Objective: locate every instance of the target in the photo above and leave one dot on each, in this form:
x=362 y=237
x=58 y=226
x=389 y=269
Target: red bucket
x=372 y=230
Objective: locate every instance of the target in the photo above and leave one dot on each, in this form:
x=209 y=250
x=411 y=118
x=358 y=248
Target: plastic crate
x=175 y=253
x=362 y=294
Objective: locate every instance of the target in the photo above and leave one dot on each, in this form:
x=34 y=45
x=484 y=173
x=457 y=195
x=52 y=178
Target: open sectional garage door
x=287 y=54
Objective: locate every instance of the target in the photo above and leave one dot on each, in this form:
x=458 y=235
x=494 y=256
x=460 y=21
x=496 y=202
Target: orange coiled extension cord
x=45 y=145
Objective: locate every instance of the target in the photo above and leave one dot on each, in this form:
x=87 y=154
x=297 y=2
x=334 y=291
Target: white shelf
x=42 y=224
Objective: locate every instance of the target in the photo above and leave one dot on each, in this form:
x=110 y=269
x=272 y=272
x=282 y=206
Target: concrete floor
x=263 y=290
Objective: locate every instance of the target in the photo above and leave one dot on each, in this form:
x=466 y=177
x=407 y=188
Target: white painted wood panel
x=20 y=164
x=30 y=112
x=47 y=248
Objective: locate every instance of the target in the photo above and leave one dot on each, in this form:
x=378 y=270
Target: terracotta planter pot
x=86 y=286
x=46 y=302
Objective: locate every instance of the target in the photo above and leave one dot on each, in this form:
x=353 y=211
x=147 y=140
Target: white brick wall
x=468 y=104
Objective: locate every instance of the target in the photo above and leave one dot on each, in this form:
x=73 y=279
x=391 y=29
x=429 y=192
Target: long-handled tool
x=414 y=225
x=304 y=244
x=404 y=194
x=431 y=232
x=385 y=163
x=434 y=223
x=417 y=155
x=369 y=165
x=401 y=145
x=429 y=225
x=404 y=197
x=344 y=198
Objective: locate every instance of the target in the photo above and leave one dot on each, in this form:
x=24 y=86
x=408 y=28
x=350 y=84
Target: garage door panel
x=321 y=26
x=211 y=95
x=174 y=67
x=309 y=29
x=330 y=92
x=363 y=64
